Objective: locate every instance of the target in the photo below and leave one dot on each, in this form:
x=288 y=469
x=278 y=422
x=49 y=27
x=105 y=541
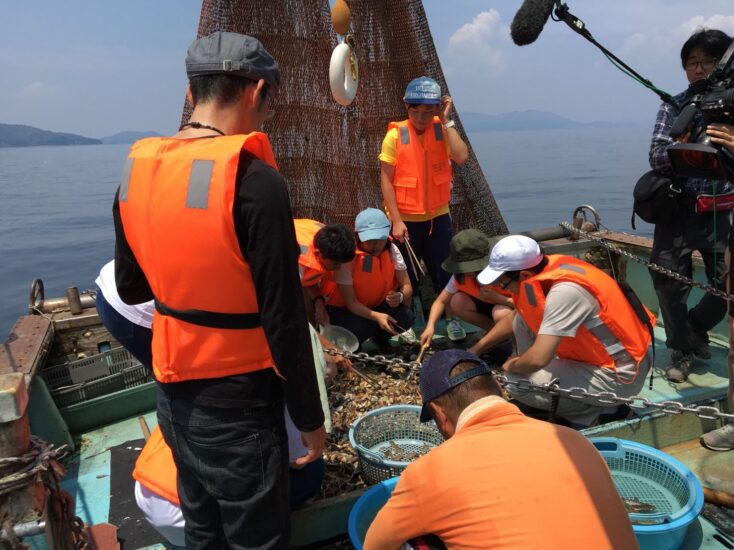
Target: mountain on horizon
x=128 y=137
x=525 y=120
x=19 y=135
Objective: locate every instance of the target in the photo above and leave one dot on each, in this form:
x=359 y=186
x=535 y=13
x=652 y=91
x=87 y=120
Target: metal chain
x=647 y=263
x=706 y=412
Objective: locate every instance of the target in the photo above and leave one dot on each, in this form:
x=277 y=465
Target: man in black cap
x=204 y=227
x=497 y=480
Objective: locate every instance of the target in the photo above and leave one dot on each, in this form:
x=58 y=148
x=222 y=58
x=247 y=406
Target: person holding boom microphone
x=691 y=229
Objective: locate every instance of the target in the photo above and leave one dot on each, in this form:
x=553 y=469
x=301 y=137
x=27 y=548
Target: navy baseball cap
x=435 y=379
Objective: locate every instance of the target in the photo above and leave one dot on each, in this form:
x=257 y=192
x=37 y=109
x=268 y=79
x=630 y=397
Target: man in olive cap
x=479 y=305
x=204 y=227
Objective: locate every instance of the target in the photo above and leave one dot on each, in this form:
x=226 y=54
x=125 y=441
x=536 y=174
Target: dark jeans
x=134 y=338
x=306 y=481
x=672 y=247
x=232 y=473
x=430 y=242
x=364 y=328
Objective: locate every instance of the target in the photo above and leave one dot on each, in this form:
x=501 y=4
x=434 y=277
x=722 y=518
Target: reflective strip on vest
x=575 y=268
x=601 y=332
x=197 y=194
x=125 y=182
x=531 y=294
x=304 y=249
x=437 y=132
x=404 y=135
x=367 y=264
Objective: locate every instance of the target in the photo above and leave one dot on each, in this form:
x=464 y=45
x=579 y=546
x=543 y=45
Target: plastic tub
x=366 y=508
x=647 y=475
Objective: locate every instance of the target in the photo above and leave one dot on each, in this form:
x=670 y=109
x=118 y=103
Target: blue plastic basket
x=389 y=438
x=365 y=509
x=648 y=475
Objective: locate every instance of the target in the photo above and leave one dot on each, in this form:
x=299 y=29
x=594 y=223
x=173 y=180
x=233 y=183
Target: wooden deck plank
x=27 y=345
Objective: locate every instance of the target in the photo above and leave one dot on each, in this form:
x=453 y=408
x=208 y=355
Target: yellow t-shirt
x=389 y=155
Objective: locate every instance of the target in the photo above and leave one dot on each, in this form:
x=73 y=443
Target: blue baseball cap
x=371 y=224
x=423 y=90
x=435 y=379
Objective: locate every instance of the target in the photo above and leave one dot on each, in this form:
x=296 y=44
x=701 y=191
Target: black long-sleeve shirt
x=264 y=226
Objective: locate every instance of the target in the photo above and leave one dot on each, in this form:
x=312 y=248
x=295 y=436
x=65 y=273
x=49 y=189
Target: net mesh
x=328 y=153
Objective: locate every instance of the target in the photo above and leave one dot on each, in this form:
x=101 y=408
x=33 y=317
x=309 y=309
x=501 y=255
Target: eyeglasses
x=706 y=64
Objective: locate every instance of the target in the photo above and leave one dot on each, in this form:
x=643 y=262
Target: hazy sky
x=97 y=68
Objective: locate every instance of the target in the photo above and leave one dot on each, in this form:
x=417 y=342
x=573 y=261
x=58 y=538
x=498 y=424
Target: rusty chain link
x=705 y=412
x=647 y=263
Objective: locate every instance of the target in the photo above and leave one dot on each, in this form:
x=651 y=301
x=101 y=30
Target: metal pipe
x=547 y=233
x=56 y=304
x=75 y=302
x=27 y=529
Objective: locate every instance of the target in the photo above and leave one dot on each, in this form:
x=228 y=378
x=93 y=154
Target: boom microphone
x=530 y=20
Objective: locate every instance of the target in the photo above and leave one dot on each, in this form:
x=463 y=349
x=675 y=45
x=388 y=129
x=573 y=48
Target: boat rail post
x=25 y=503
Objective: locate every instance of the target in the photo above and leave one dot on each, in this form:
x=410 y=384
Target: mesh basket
x=101 y=374
x=661 y=494
x=389 y=438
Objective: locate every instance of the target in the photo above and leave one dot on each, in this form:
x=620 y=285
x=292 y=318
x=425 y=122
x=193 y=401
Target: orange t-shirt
x=506 y=481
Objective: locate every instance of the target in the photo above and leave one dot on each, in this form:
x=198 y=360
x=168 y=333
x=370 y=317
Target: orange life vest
x=616 y=315
x=156 y=469
x=313 y=269
x=422 y=179
x=176 y=201
x=467 y=283
x=372 y=277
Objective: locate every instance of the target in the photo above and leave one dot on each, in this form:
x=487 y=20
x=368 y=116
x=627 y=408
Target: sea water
x=56 y=202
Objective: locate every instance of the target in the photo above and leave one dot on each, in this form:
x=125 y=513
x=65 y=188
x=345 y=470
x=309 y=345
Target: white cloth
x=451 y=287
x=140 y=314
x=162 y=514
x=343 y=275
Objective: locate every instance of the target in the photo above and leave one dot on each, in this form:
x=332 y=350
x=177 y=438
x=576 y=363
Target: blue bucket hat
x=435 y=379
x=371 y=224
x=423 y=90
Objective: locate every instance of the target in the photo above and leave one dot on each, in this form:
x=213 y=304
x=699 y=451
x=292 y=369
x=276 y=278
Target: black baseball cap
x=435 y=379
x=232 y=53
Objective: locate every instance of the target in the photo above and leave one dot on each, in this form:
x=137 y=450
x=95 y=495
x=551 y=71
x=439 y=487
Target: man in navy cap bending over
x=204 y=227
x=497 y=480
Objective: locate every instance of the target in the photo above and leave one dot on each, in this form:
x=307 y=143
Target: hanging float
x=343 y=68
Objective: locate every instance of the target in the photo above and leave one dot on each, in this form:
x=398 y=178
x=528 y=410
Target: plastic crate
x=389 y=438
x=647 y=475
x=94 y=376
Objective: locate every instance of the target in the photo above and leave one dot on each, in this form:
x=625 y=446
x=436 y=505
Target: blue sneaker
x=454 y=330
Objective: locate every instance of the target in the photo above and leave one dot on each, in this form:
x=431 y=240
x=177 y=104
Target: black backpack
x=656 y=198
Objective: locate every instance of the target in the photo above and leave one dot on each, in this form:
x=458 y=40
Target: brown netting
x=326 y=152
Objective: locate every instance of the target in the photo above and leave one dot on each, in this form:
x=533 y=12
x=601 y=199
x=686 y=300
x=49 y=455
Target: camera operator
x=675 y=241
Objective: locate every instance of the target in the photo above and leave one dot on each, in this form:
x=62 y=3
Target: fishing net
x=328 y=153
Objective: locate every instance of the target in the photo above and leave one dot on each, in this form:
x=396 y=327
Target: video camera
x=714 y=97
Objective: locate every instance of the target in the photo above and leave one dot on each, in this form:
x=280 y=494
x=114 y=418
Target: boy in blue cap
x=370 y=295
x=416 y=176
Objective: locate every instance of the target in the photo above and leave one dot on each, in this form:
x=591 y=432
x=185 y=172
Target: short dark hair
x=224 y=89
x=460 y=397
x=335 y=242
x=710 y=41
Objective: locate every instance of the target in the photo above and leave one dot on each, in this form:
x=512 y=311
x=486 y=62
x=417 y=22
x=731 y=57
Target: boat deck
x=99 y=473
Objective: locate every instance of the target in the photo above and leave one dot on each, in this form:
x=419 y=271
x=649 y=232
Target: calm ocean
x=55 y=202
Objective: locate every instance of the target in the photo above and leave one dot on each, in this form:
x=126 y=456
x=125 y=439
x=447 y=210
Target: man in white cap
x=573 y=322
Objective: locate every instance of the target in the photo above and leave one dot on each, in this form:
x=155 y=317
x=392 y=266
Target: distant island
x=525 y=120
x=127 y=137
x=17 y=135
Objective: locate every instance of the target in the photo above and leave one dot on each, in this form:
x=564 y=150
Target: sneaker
x=719 y=440
x=700 y=343
x=407 y=338
x=455 y=331
x=680 y=366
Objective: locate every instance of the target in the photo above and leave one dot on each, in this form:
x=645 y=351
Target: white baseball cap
x=513 y=253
